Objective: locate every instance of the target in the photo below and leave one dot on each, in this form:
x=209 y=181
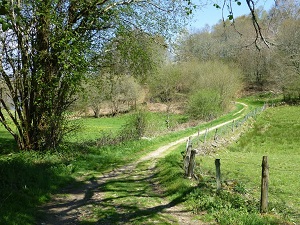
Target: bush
x=136 y=126
x=134 y=129
x=204 y=104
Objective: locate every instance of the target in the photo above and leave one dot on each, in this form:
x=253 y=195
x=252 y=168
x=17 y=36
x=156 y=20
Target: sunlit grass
x=30 y=177
x=275 y=134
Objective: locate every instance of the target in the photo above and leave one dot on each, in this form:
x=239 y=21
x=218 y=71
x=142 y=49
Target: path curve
x=67 y=209
x=161 y=151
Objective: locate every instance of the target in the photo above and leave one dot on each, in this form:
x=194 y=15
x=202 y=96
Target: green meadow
x=275 y=134
x=28 y=179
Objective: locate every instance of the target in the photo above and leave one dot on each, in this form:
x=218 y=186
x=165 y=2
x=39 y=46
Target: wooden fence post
x=187 y=156
x=264 y=185
x=218 y=173
x=215 y=137
x=191 y=166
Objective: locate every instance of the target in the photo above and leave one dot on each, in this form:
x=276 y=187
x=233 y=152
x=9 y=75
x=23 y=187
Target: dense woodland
x=61 y=57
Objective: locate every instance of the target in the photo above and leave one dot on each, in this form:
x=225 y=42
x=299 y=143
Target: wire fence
x=214 y=137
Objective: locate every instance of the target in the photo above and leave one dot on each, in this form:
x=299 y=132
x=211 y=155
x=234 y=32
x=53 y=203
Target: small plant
x=135 y=128
x=240 y=188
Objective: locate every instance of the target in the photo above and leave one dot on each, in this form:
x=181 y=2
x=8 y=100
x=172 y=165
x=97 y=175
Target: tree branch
x=256 y=25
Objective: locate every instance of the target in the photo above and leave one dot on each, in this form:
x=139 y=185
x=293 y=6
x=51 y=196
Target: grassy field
x=275 y=134
x=91 y=128
x=29 y=178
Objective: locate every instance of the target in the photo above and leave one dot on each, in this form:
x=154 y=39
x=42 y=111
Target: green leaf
x=230 y=17
x=217 y=6
x=5 y=27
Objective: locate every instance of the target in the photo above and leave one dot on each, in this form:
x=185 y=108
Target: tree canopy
x=46 y=46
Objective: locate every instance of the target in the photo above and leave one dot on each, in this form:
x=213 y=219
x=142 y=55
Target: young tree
x=45 y=47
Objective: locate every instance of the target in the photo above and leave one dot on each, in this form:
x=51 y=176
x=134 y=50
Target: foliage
x=165 y=83
x=128 y=52
x=136 y=126
x=133 y=129
x=268 y=62
x=204 y=104
x=213 y=86
x=186 y=80
x=288 y=51
x=115 y=92
x=47 y=46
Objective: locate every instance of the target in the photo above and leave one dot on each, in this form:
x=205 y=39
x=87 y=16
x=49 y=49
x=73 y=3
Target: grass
x=275 y=134
x=29 y=178
x=130 y=199
x=91 y=128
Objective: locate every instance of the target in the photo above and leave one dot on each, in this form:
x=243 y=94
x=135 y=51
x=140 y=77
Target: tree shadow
x=25 y=184
x=112 y=200
x=7 y=143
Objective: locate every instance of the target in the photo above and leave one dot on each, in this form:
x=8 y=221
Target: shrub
x=204 y=104
x=136 y=125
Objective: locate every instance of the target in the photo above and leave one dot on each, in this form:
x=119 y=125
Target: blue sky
x=211 y=16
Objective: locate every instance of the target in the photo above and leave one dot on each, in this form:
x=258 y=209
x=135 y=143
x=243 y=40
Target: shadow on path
x=129 y=195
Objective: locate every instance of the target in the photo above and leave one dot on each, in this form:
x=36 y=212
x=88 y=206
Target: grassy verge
x=275 y=134
x=29 y=178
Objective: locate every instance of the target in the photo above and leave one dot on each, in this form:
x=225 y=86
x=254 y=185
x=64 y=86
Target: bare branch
x=256 y=25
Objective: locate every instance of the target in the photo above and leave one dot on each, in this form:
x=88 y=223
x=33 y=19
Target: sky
x=211 y=15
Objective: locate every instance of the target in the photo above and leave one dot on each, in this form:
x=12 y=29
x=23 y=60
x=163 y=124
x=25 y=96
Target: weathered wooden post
x=264 y=185
x=218 y=173
x=191 y=166
x=188 y=147
x=215 y=137
x=187 y=156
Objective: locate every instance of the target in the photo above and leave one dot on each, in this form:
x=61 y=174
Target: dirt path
x=128 y=195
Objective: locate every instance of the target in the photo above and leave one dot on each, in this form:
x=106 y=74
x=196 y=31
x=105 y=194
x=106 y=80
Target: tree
x=200 y=45
x=127 y=53
x=165 y=84
x=288 y=51
x=45 y=48
x=95 y=93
